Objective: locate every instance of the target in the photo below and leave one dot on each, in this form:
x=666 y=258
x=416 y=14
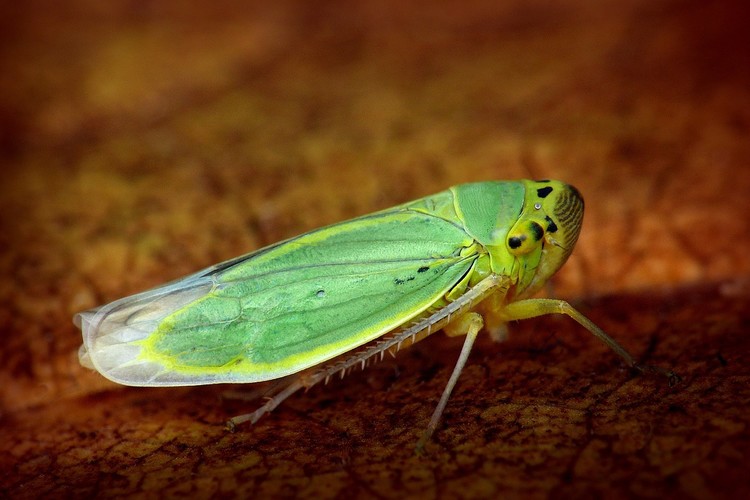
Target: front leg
x=530 y=308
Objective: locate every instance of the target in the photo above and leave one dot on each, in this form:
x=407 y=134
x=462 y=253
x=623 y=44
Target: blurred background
x=141 y=141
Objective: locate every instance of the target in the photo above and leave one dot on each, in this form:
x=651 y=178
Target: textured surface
x=142 y=142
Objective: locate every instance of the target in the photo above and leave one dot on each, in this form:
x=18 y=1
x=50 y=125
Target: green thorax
x=524 y=230
x=486 y=211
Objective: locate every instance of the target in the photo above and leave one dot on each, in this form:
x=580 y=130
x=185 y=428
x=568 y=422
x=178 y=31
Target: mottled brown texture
x=140 y=142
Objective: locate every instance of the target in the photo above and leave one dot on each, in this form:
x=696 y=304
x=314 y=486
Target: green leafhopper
x=321 y=303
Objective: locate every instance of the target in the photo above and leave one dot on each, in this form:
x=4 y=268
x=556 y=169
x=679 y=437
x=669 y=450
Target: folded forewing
x=285 y=308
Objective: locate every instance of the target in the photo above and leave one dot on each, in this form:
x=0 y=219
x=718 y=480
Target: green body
x=303 y=301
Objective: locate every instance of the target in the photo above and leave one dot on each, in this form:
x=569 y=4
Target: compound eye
x=526 y=238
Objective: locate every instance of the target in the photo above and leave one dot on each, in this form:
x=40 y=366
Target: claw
x=673 y=378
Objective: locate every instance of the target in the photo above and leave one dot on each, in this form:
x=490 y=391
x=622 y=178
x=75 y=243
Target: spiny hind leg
x=258 y=390
x=281 y=392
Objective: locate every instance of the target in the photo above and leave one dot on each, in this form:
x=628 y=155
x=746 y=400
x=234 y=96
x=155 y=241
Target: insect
x=319 y=304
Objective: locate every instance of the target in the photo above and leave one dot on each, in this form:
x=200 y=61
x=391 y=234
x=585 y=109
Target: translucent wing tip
x=83 y=321
x=108 y=337
x=111 y=334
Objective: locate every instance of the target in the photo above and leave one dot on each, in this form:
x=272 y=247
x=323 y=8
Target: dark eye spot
x=551 y=226
x=423 y=269
x=543 y=192
x=537 y=231
x=516 y=241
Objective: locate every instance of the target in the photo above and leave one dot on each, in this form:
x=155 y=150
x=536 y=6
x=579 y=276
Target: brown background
x=142 y=141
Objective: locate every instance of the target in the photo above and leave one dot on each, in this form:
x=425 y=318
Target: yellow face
x=544 y=234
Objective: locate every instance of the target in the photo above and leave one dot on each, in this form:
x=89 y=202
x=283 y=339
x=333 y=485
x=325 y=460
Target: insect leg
x=457 y=309
x=267 y=390
x=530 y=308
x=494 y=322
x=268 y=407
x=470 y=323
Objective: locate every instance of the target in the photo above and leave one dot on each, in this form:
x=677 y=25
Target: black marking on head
x=542 y=180
x=423 y=269
x=576 y=193
x=537 y=231
x=551 y=226
x=568 y=213
x=544 y=192
x=516 y=241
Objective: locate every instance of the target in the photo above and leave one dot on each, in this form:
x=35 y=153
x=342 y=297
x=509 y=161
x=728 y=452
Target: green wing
x=284 y=308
